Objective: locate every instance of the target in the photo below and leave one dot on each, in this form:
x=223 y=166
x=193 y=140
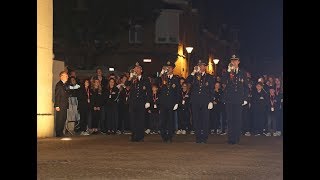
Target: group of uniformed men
x=201 y=100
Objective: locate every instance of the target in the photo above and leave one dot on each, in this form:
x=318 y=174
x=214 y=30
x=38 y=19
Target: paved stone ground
x=114 y=157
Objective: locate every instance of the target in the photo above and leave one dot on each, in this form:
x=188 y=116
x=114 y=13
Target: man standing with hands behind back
x=61 y=103
x=235 y=96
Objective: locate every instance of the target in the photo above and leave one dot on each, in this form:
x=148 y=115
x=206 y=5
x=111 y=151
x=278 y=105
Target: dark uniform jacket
x=236 y=90
x=169 y=89
x=201 y=88
x=140 y=91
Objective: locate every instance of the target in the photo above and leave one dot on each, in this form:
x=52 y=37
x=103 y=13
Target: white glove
x=162 y=72
x=210 y=105
x=244 y=103
x=175 y=107
x=147 y=105
x=230 y=67
x=195 y=70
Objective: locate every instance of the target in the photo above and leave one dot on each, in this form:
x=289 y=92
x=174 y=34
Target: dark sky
x=260 y=23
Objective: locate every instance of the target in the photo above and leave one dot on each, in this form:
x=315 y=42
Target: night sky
x=260 y=23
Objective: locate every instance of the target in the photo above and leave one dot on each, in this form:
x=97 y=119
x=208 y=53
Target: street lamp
x=215 y=61
x=189 y=50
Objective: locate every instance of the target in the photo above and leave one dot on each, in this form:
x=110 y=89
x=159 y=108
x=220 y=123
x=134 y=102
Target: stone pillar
x=45 y=116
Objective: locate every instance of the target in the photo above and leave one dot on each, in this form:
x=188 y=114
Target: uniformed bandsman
x=139 y=98
x=235 y=96
x=168 y=99
x=201 y=100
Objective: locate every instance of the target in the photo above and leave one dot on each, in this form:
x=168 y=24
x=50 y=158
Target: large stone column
x=45 y=118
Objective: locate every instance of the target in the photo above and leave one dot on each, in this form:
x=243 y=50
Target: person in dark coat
x=84 y=106
x=259 y=107
x=247 y=124
x=169 y=88
x=184 y=109
x=111 y=106
x=154 y=111
x=61 y=103
x=139 y=101
x=201 y=100
x=124 y=116
x=235 y=96
x=273 y=108
x=279 y=94
x=97 y=101
x=216 y=123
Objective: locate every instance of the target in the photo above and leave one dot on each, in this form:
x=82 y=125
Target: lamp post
x=189 y=50
x=215 y=61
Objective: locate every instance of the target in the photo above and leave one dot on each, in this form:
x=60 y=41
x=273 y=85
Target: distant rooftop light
x=147 y=60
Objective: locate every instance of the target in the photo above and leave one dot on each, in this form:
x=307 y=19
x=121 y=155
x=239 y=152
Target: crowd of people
x=100 y=104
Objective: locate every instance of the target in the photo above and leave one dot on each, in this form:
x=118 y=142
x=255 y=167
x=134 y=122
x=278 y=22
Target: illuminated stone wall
x=181 y=63
x=210 y=67
x=45 y=118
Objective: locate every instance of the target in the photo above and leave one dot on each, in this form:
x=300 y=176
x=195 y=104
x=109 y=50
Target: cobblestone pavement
x=114 y=157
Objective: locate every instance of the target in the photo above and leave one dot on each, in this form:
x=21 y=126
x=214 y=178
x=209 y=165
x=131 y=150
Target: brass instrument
x=197 y=68
x=197 y=74
x=133 y=74
x=230 y=66
x=164 y=76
